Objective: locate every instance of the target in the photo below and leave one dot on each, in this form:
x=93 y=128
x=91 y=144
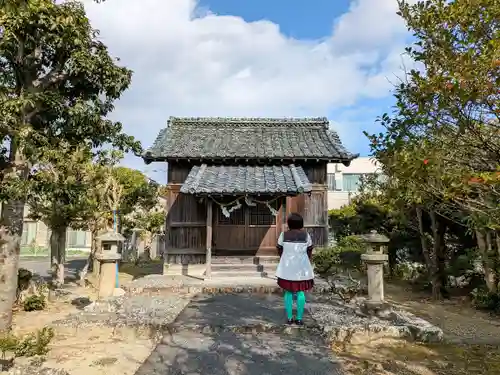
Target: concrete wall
x=338 y=196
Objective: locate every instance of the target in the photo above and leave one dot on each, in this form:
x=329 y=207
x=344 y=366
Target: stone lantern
x=375 y=258
x=108 y=260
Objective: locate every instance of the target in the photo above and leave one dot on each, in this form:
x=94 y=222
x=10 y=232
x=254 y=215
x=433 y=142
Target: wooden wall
x=186 y=230
x=178 y=172
x=247 y=231
x=316 y=173
x=313 y=207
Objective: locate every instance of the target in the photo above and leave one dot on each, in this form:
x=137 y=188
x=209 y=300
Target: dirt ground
x=86 y=352
x=472 y=347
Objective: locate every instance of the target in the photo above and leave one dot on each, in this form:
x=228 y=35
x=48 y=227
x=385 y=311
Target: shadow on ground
x=399 y=357
x=202 y=352
x=138 y=270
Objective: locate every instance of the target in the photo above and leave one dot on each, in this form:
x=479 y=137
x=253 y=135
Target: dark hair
x=295 y=221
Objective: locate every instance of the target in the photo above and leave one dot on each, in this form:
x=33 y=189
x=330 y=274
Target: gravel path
x=228 y=353
x=209 y=339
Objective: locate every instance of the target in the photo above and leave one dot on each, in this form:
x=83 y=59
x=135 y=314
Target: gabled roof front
x=248 y=138
x=244 y=179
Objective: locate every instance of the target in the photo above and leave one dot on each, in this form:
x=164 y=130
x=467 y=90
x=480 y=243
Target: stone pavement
x=239 y=334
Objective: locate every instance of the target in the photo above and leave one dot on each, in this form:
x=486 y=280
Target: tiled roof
x=216 y=179
x=248 y=138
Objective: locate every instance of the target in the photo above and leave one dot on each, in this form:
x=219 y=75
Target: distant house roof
x=233 y=180
x=248 y=138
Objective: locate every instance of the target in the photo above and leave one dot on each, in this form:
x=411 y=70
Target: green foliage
x=486 y=300
x=138 y=190
x=360 y=217
x=31 y=345
x=411 y=272
x=8 y=343
x=34 y=303
x=441 y=145
x=35 y=343
x=61 y=92
x=346 y=255
x=59 y=186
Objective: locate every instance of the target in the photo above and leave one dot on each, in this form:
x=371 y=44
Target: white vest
x=294 y=263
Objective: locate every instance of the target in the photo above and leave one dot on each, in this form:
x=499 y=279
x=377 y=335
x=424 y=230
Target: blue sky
x=311 y=20
x=297 y=19
x=335 y=58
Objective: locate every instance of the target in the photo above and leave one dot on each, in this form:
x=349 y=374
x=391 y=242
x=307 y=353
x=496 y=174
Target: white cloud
x=190 y=62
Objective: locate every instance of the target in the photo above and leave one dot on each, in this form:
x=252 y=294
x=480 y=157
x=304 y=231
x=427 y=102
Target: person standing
x=295 y=272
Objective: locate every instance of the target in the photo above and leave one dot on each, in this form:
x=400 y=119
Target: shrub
x=346 y=255
x=35 y=343
x=31 y=345
x=34 y=303
x=410 y=271
x=485 y=300
x=8 y=343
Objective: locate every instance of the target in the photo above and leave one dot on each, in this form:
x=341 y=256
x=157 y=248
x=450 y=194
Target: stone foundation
x=347 y=324
x=185 y=259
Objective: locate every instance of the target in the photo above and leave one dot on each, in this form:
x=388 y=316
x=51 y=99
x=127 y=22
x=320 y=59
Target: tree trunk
x=439 y=278
x=484 y=246
x=10 y=238
x=428 y=256
x=497 y=242
x=11 y=230
x=90 y=266
x=58 y=252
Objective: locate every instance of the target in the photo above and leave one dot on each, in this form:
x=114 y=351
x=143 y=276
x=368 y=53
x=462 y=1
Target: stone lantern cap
x=374 y=238
x=107 y=257
x=111 y=236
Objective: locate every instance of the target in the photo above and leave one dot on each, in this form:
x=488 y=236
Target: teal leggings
x=301 y=302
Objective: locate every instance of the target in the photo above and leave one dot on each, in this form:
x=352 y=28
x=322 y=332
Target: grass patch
x=399 y=357
x=34 y=251
x=39 y=251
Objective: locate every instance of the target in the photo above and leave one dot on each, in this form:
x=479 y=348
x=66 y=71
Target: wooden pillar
x=208 y=272
x=283 y=226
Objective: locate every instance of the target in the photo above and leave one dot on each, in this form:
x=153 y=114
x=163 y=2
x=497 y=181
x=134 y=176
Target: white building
x=343 y=182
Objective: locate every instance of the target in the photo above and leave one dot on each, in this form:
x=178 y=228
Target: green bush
x=410 y=271
x=346 y=255
x=485 y=300
x=35 y=343
x=34 y=303
x=31 y=345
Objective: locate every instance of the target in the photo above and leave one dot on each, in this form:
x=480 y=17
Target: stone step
x=245 y=259
x=244 y=267
x=239 y=274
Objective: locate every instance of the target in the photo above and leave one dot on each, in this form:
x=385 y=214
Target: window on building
x=29 y=233
x=261 y=215
x=334 y=182
x=351 y=181
x=331 y=181
x=77 y=239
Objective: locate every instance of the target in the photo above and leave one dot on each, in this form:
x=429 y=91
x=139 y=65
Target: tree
x=120 y=190
x=147 y=223
x=138 y=190
x=60 y=194
x=57 y=84
x=441 y=148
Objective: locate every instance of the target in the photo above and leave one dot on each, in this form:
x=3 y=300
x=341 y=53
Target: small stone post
x=375 y=260
x=108 y=262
